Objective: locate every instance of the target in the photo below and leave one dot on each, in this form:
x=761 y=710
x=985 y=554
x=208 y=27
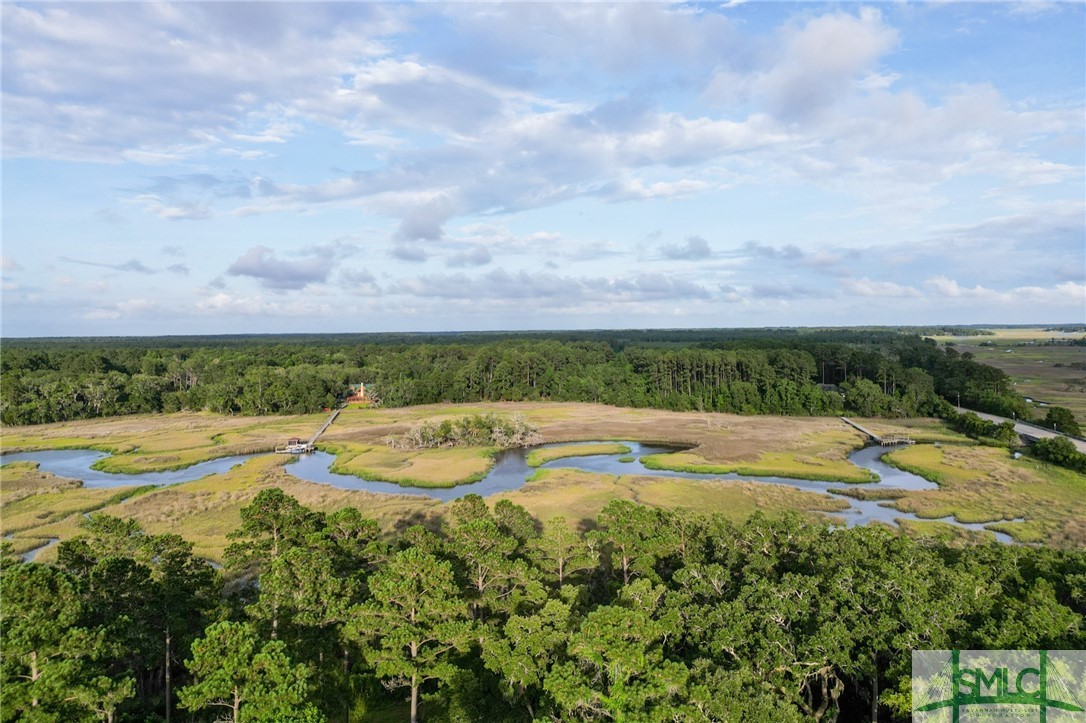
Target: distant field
x=981 y=484
x=1042 y=373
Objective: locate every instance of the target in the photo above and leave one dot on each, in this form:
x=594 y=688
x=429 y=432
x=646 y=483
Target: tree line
x=872 y=373
x=638 y=614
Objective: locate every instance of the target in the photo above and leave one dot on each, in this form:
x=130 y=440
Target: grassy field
x=979 y=484
x=1039 y=371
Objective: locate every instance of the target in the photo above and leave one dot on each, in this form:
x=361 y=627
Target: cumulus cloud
x=788 y=252
x=415 y=94
x=677 y=113
x=426 y=221
x=694 y=248
x=359 y=282
x=262 y=264
x=476 y=255
x=817 y=64
x=413 y=253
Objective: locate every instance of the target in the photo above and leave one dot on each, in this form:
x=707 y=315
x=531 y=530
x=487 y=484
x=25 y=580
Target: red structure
x=357 y=394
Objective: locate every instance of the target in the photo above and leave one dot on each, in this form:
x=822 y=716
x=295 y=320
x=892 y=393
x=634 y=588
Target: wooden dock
x=327 y=424
x=297 y=446
x=887 y=441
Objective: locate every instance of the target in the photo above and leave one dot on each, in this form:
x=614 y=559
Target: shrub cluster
x=476 y=430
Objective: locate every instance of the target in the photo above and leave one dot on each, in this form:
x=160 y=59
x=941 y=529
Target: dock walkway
x=887 y=441
x=299 y=447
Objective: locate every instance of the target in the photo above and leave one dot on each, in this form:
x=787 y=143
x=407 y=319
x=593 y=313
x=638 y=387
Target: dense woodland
x=644 y=614
x=866 y=372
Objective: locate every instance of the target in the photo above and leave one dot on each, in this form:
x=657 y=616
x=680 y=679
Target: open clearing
x=1041 y=371
x=980 y=484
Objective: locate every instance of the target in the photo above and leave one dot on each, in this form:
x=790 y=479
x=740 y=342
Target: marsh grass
x=944 y=532
x=771 y=464
x=23 y=479
x=161 y=442
x=539 y=457
x=22 y=545
x=440 y=467
x=976 y=483
x=987 y=485
x=868 y=493
x=579 y=495
x=30 y=513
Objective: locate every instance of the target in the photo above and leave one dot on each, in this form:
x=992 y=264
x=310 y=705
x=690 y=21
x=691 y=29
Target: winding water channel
x=510 y=472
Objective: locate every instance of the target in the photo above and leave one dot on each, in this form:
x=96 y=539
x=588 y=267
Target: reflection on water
x=510 y=472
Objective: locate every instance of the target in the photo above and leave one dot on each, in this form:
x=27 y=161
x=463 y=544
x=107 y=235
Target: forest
x=784 y=372
x=639 y=614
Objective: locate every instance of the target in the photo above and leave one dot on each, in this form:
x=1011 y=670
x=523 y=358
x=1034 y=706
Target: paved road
x=1028 y=429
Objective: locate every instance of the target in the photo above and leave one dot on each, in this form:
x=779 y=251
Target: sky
x=220 y=168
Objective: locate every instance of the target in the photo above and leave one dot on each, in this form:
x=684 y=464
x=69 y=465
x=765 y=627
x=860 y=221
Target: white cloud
x=693 y=248
x=126 y=309
x=635 y=189
x=262 y=264
x=558 y=134
x=879 y=289
x=359 y=282
x=1069 y=293
x=811 y=67
x=199 y=63
x=475 y=255
x=223 y=303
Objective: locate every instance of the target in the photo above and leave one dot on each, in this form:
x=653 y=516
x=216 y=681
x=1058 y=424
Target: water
x=31 y=554
x=510 y=472
x=76 y=464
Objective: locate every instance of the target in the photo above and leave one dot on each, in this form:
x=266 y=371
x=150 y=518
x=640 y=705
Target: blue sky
x=220 y=168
